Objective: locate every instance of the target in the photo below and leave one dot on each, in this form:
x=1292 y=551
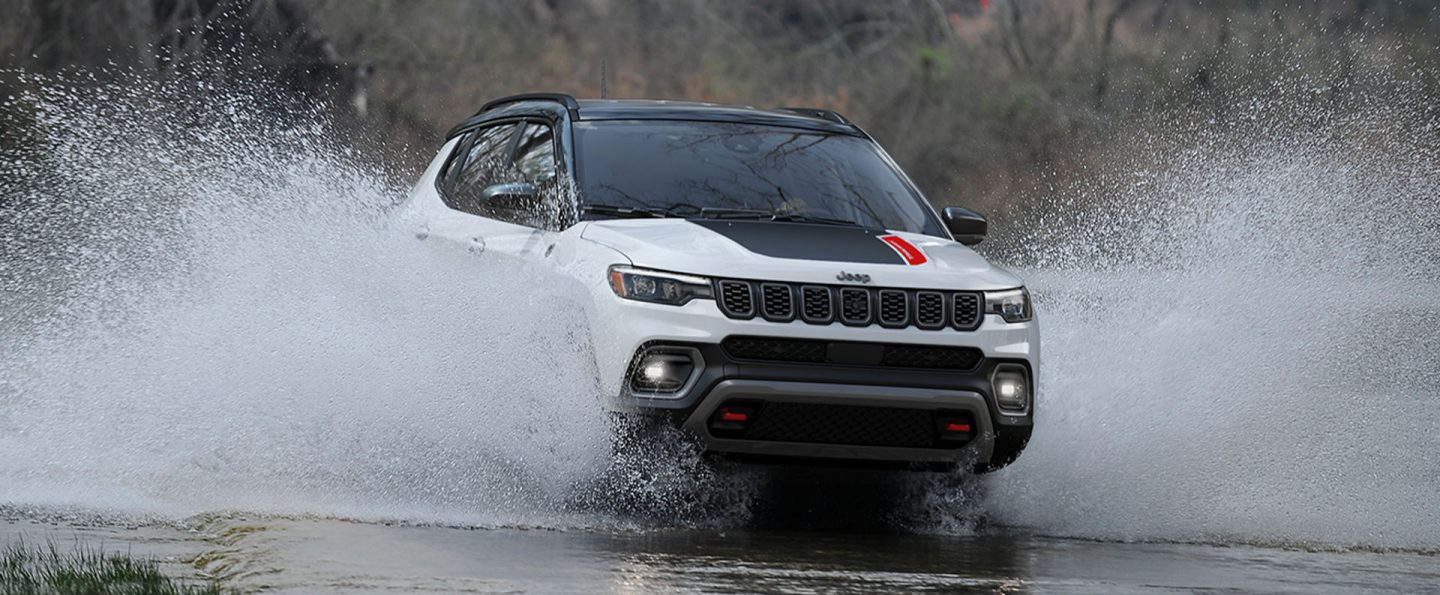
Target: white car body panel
x=619 y=326
x=680 y=246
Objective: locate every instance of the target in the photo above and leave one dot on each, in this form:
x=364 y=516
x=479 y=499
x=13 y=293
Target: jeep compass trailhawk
x=768 y=279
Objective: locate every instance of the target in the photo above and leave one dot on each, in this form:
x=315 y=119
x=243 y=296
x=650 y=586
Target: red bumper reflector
x=728 y=415
x=958 y=428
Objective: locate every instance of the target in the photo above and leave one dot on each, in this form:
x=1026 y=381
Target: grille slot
x=894 y=308
x=921 y=356
x=736 y=299
x=818 y=307
x=843 y=424
x=778 y=303
x=929 y=310
x=854 y=306
x=967 y=311
x=889 y=355
x=779 y=350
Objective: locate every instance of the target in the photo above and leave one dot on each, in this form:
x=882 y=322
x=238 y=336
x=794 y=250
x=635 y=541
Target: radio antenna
x=604 y=92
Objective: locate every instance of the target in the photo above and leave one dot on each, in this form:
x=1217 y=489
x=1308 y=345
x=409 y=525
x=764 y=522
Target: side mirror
x=514 y=196
x=966 y=225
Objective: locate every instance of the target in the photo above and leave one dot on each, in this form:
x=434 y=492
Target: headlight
x=658 y=287
x=1012 y=304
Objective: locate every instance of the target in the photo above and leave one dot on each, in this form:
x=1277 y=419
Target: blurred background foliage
x=980 y=100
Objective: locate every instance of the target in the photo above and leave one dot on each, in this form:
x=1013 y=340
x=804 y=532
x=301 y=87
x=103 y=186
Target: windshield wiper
x=729 y=213
x=707 y=213
x=810 y=219
x=630 y=212
x=720 y=213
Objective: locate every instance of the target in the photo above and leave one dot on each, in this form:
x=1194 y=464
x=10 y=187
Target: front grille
x=967 y=311
x=818 y=308
x=778 y=304
x=853 y=306
x=849 y=353
x=929 y=309
x=842 y=424
x=736 y=299
x=894 y=308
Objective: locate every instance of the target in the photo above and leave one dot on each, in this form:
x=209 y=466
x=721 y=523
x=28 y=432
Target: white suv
x=769 y=280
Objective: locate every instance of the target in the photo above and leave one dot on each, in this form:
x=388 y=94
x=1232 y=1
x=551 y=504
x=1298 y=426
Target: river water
x=213 y=325
x=309 y=555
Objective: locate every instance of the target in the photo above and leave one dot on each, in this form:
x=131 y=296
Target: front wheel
x=658 y=472
x=1009 y=443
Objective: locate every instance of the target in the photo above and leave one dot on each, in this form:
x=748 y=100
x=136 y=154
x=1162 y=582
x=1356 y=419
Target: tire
x=1009 y=443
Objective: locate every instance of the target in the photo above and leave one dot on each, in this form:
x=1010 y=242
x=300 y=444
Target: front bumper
x=627 y=328
x=997 y=438
x=968 y=403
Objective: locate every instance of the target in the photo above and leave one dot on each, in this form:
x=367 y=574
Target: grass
x=26 y=570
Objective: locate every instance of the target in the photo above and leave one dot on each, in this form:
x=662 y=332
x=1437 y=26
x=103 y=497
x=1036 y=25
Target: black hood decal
x=807 y=241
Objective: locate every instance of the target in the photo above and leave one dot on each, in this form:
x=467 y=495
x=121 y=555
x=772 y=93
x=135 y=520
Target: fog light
x=663 y=370
x=1012 y=387
x=656 y=371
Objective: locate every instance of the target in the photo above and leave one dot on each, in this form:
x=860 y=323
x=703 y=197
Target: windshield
x=718 y=169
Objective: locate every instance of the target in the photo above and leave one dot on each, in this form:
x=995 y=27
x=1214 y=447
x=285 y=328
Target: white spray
x=1242 y=342
x=211 y=312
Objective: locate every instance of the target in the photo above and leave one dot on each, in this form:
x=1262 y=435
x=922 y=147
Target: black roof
x=662 y=109
x=659 y=109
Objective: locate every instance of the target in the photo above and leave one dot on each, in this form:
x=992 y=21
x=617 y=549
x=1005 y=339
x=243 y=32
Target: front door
x=503 y=191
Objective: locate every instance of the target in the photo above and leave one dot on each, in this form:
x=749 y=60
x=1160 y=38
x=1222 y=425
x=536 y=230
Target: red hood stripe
x=912 y=255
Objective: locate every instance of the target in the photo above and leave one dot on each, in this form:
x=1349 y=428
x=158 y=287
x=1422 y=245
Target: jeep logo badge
x=853 y=277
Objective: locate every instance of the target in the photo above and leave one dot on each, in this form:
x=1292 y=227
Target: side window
x=487 y=159
x=450 y=176
x=507 y=172
x=479 y=161
x=535 y=158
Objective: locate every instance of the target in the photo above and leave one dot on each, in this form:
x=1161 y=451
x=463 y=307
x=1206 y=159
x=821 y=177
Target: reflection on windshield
x=692 y=169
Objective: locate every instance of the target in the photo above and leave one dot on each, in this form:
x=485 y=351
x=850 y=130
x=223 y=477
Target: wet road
x=334 y=556
x=343 y=557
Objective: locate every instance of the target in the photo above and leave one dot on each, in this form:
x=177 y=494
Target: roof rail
x=816 y=112
x=562 y=98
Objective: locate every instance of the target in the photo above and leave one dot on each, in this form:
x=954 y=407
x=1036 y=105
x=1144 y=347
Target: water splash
x=211 y=311
x=207 y=310
x=1240 y=337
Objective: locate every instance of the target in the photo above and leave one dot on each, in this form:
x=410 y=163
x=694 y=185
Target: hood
x=798 y=252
